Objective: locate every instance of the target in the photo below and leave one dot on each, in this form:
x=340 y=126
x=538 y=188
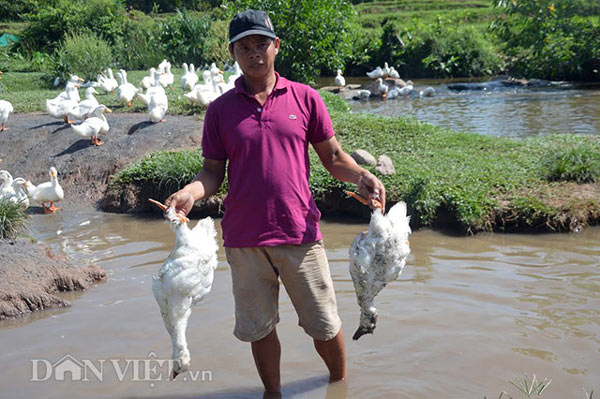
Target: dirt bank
x=34 y=142
x=31 y=275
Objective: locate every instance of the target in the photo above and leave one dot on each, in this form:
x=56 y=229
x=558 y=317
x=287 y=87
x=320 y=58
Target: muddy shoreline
x=30 y=274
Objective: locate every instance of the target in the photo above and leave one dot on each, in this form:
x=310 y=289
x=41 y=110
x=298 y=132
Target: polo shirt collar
x=281 y=84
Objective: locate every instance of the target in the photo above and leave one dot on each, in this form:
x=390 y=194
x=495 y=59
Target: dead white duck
x=377 y=256
x=184 y=279
x=94 y=125
x=50 y=191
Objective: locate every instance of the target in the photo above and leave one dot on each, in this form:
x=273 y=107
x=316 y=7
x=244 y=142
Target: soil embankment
x=31 y=275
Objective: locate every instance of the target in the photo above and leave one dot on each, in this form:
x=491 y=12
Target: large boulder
x=363 y=157
x=385 y=166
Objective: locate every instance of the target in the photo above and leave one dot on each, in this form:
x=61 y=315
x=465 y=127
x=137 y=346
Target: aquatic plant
x=13 y=219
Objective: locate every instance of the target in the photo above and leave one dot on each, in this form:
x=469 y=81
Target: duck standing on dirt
x=5 y=109
x=50 y=191
x=184 y=279
x=94 y=125
x=377 y=256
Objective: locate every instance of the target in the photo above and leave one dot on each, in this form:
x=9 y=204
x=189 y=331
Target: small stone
x=385 y=166
x=362 y=157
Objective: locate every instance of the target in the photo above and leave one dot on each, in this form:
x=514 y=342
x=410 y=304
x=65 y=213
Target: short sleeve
x=212 y=144
x=320 y=127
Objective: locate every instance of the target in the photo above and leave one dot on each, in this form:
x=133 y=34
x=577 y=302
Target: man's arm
x=343 y=167
x=205 y=184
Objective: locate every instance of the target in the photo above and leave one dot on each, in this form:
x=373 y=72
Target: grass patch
x=578 y=162
x=13 y=219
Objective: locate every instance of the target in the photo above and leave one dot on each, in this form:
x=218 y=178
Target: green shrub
x=15 y=10
x=579 y=164
x=13 y=219
x=139 y=47
x=365 y=47
x=54 y=20
x=83 y=54
x=315 y=34
x=216 y=43
x=442 y=49
x=551 y=39
x=183 y=37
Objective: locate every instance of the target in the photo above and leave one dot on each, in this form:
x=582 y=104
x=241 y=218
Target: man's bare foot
x=271 y=395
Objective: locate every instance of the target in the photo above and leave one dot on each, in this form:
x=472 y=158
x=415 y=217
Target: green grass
x=13 y=219
x=372 y=14
x=463 y=180
x=28 y=91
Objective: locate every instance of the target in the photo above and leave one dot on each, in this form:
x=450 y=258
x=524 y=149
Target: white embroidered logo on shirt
x=292 y=116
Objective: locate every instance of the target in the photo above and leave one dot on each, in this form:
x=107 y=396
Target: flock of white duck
x=69 y=107
x=22 y=191
x=381 y=88
x=151 y=92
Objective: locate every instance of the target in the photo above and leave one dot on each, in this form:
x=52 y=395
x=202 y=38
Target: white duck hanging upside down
x=377 y=257
x=184 y=279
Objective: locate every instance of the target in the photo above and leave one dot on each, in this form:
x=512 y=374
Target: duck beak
x=163 y=207
x=81 y=80
x=362 y=200
x=53 y=174
x=108 y=110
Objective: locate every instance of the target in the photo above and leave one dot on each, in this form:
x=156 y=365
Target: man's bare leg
x=267 y=355
x=333 y=353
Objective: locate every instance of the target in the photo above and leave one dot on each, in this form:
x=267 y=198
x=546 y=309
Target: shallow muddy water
x=507 y=112
x=467 y=315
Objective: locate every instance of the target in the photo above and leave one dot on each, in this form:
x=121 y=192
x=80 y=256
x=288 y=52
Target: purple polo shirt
x=269 y=202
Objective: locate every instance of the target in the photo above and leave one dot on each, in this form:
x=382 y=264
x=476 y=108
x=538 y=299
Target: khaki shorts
x=304 y=272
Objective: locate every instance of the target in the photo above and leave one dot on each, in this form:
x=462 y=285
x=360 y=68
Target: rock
x=385 y=166
x=362 y=157
x=31 y=275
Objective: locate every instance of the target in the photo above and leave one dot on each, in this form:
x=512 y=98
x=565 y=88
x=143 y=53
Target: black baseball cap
x=250 y=22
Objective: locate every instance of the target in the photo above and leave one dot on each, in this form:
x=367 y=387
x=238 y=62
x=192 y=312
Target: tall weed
x=83 y=54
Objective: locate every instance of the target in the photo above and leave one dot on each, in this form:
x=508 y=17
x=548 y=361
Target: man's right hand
x=182 y=201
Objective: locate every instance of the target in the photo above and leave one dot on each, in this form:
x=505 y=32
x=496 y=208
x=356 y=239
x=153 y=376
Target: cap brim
x=252 y=32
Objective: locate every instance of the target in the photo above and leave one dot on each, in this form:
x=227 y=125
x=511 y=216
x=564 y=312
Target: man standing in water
x=260 y=132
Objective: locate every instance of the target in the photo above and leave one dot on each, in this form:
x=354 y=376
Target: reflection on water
x=467 y=315
x=513 y=112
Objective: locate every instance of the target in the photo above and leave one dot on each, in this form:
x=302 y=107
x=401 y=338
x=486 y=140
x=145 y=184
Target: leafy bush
x=442 y=49
x=13 y=219
x=216 y=44
x=83 y=54
x=54 y=20
x=139 y=47
x=315 y=35
x=580 y=164
x=365 y=47
x=551 y=39
x=183 y=37
x=170 y=5
x=15 y=10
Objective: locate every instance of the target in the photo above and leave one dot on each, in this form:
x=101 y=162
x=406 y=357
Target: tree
x=315 y=34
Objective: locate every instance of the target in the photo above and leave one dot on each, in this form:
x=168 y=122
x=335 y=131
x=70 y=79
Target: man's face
x=255 y=54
